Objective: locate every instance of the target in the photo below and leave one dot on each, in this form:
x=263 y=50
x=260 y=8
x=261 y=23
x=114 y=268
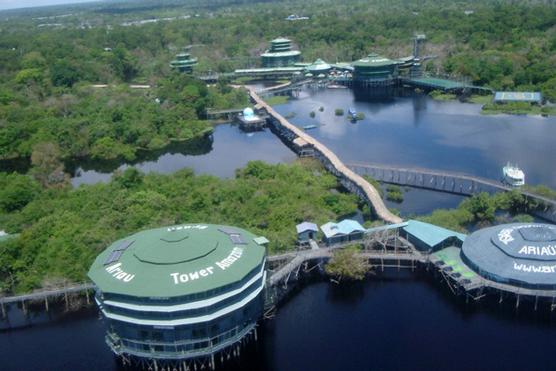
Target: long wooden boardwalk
x=303 y=256
x=348 y=178
x=450 y=182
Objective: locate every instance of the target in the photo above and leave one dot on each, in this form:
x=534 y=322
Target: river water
x=403 y=130
x=393 y=321
x=226 y=150
x=418 y=131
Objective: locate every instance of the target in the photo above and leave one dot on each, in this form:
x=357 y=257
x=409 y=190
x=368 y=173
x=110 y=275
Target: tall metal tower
x=418 y=41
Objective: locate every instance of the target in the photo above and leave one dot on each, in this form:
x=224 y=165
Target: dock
x=46 y=296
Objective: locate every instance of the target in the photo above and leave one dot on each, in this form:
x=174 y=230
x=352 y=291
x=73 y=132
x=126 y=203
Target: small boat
x=513 y=175
x=352 y=114
x=309 y=127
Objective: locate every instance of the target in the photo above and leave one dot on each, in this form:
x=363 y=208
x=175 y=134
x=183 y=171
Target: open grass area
x=480 y=99
x=438 y=95
x=277 y=99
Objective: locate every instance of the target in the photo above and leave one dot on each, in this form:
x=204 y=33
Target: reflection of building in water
x=180 y=293
x=419 y=107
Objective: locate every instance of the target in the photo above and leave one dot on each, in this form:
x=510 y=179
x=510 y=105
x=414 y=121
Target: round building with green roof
x=181 y=292
x=375 y=70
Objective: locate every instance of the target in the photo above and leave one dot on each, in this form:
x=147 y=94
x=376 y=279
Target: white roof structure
x=345 y=227
x=306 y=226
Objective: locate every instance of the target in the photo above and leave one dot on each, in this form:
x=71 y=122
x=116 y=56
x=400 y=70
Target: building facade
x=180 y=293
x=375 y=70
x=280 y=54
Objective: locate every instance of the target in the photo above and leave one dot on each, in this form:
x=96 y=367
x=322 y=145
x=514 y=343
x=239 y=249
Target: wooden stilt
x=46 y=303
x=87 y=296
x=66 y=300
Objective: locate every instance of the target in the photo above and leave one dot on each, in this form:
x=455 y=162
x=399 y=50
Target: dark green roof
x=374 y=60
x=177 y=261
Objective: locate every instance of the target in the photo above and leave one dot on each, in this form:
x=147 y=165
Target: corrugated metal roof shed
x=386 y=227
x=430 y=234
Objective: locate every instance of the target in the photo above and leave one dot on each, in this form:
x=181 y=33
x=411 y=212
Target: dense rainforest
x=63 y=230
x=53 y=109
x=46 y=72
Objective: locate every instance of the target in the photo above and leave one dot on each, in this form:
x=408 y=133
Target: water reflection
x=226 y=150
x=415 y=130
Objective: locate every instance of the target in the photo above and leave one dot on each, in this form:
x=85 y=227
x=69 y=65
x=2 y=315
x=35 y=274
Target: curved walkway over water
x=348 y=178
x=450 y=182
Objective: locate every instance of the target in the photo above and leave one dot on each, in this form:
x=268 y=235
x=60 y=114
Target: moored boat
x=513 y=175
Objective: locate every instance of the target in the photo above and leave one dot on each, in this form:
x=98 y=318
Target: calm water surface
x=418 y=131
x=396 y=321
x=227 y=150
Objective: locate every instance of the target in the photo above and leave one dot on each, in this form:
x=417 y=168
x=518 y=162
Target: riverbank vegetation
x=275 y=100
x=63 y=229
x=484 y=209
x=347 y=264
x=394 y=193
x=108 y=122
x=518 y=108
x=439 y=95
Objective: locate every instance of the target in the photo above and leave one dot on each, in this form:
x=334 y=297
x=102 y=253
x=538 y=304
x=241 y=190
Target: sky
x=14 y=4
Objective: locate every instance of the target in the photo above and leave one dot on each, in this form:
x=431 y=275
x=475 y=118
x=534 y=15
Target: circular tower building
x=375 y=70
x=520 y=254
x=175 y=294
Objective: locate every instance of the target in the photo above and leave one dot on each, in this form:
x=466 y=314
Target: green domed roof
x=177 y=261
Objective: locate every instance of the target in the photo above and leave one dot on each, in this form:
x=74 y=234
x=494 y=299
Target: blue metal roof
x=306 y=226
x=430 y=234
x=517 y=96
x=345 y=227
x=386 y=227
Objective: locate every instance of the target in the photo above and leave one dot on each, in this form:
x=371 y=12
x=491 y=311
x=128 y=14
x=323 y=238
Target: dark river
x=393 y=321
x=418 y=131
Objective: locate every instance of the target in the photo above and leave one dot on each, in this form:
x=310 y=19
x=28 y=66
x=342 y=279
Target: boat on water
x=309 y=127
x=352 y=114
x=513 y=175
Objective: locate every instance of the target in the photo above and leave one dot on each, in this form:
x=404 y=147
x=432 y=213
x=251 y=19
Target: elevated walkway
x=447 y=85
x=450 y=182
x=348 y=178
